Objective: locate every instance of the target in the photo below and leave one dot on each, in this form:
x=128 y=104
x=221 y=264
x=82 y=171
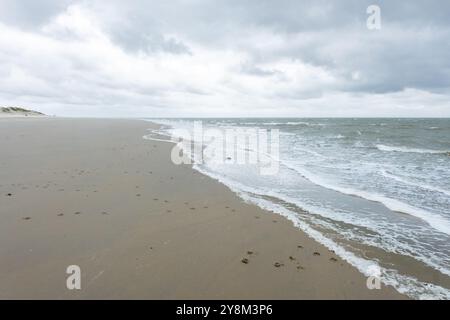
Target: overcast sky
x=225 y=58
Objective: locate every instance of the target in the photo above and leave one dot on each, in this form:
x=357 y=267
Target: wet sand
x=94 y=193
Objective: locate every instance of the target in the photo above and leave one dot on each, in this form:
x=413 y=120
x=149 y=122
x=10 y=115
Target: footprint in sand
x=60 y=214
x=249 y=253
x=300 y=247
x=169 y=211
x=155 y=199
x=192 y=208
x=105 y=213
x=300 y=267
x=138 y=195
x=316 y=253
x=245 y=261
x=333 y=259
x=77 y=213
x=291 y=258
x=26 y=218
x=9 y=194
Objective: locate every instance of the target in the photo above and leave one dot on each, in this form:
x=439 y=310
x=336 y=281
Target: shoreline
x=141 y=227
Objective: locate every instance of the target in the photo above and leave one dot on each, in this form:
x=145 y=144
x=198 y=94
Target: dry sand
x=93 y=193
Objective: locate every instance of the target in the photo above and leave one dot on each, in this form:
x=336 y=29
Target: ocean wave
x=434 y=220
x=383 y=147
x=279 y=123
x=337 y=136
x=415 y=184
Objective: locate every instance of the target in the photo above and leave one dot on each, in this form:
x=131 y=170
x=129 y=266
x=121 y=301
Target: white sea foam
x=415 y=184
x=404 y=284
x=382 y=147
x=407 y=285
x=436 y=221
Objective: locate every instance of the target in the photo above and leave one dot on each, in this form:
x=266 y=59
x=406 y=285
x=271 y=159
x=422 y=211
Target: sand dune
x=15 y=112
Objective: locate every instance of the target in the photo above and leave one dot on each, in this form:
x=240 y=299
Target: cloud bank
x=225 y=58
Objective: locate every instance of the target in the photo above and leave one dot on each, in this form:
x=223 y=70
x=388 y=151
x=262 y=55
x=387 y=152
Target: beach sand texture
x=94 y=193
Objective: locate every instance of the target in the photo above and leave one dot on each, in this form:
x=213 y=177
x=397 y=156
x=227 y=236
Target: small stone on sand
x=277 y=264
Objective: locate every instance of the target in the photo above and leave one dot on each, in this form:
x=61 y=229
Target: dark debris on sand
x=278 y=264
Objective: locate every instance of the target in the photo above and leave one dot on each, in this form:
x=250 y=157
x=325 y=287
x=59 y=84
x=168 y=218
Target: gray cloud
x=29 y=14
x=202 y=56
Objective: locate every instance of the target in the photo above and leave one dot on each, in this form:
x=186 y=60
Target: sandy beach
x=94 y=193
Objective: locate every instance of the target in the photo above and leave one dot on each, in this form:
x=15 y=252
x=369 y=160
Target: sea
x=375 y=191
